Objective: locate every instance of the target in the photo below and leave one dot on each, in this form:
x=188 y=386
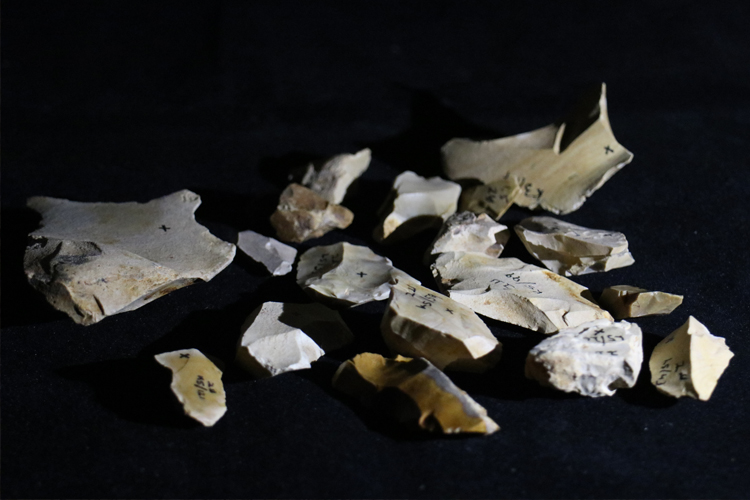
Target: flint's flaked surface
x=509 y=290
x=196 y=382
x=493 y=199
x=421 y=323
x=415 y=204
x=593 y=359
x=557 y=167
x=93 y=260
x=571 y=250
x=278 y=337
x=625 y=301
x=333 y=178
x=347 y=275
x=303 y=214
x=466 y=232
x=413 y=391
x=689 y=361
x=276 y=256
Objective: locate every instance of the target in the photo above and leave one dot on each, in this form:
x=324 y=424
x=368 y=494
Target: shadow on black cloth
x=281 y=170
x=22 y=305
x=135 y=389
x=432 y=124
x=220 y=211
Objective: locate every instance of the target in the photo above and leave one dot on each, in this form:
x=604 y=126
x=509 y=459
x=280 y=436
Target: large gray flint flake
x=93 y=260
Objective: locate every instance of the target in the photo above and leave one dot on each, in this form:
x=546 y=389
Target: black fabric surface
x=123 y=101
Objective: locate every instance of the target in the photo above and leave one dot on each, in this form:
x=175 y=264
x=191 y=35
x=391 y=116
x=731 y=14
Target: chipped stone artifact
x=421 y=323
x=415 y=204
x=303 y=214
x=557 y=167
x=572 y=250
x=689 y=361
x=196 y=382
x=413 y=391
x=625 y=301
x=466 y=232
x=333 y=178
x=493 y=199
x=509 y=290
x=279 y=337
x=593 y=359
x=93 y=260
x=347 y=275
x=276 y=256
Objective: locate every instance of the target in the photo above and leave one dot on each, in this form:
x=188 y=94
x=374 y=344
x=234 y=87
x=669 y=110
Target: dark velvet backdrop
x=120 y=101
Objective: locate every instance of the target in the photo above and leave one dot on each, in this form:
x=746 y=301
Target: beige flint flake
x=509 y=290
x=347 y=275
x=493 y=199
x=429 y=398
x=333 y=178
x=593 y=359
x=572 y=250
x=196 y=382
x=276 y=256
x=279 y=337
x=689 y=362
x=93 y=260
x=303 y=214
x=625 y=301
x=414 y=204
x=557 y=167
x=421 y=323
x=466 y=232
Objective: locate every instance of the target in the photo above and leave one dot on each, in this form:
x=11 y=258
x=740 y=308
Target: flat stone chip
x=196 y=382
x=557 y=167
x=93 y=260
x=280 y=337
x=467 y=232
x=689 y=362
x=302 y=214
x=625 y=301
x=593 y=359
x=415 y=204
x=347 y=275
x=413 y=391
x=493 y=199
x=572 y=250
x=509 y=290
x=333 y=178
x=277 y=257
x=421 y=323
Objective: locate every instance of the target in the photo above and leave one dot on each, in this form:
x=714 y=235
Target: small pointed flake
x=276 y=256
x=333 y=178
x=689 y=361
x=625 y=301
x=421 y=323
x=415 y=204
x=303 y=214
x=196 y=382
x=413 y=391
x=593 y=359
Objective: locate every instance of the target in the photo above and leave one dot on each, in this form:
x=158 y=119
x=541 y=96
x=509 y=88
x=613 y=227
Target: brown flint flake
x=303 y=214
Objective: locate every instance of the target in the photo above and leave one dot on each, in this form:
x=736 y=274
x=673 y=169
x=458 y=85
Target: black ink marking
x=450 y=311
x=608 y=150
x=164 y=228
x=361 y=274
x=184 y=355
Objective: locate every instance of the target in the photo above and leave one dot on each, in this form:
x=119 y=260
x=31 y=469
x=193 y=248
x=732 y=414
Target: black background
x=122 y=101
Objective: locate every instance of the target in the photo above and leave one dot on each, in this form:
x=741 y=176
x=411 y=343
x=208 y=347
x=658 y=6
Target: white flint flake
x=593 y=359
x=421 y=323
x=557 y=167
x=414 y=204
x=93 y=260
x=625 y=301
x=276 y=256
x=345 y=274
x=509 y=290
x=278 y=337
x=572 y=250
x=196 y=382
x=333 y=178
x=689 y=361
x=466 y=232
